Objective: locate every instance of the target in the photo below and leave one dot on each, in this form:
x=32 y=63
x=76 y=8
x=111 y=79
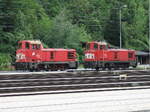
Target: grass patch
x=5 y=62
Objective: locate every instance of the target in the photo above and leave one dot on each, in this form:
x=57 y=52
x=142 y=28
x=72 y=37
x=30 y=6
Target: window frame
x=88 y=46
x=95 y=46
x=70 y=55
x=27 y=45
x=130 y=55
x=20 y=45
x=52 y=55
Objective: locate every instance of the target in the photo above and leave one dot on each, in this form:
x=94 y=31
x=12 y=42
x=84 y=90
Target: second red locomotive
x=100 y=55
x=32 y=56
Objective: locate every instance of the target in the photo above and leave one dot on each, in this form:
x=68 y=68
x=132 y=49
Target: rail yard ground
x=106 y=101
x=75 y=91
x=20 y=82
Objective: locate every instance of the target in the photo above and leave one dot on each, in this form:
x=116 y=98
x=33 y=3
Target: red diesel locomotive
x=100 y=55
x=32 y=56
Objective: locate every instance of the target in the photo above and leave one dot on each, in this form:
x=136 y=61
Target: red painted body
x=101 y=54
x=109 y=55
x=33 y=52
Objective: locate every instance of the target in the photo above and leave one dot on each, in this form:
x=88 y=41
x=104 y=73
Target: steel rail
x=72 y=91
x=65 y=81
x=72 y=74
x=69 y=71
x=75 y=78
x=75 y=85
x=70 y=80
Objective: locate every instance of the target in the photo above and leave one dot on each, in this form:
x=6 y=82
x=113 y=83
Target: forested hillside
x=65 y=23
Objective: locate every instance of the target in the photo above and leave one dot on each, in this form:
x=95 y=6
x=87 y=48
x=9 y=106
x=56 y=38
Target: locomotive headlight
x=20 y=56
x=89 y=56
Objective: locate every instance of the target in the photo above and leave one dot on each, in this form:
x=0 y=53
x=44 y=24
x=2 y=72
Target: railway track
x=72 y=81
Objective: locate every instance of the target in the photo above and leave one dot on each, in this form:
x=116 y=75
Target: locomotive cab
x=32 y=56
x=28 y=49
x=95 y=51
x=28 y=52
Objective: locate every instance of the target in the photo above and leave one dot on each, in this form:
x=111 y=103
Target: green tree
x=135 y=29
x=64 y=34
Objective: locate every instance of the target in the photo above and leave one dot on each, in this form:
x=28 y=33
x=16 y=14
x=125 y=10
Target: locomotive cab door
x=116 y=56
x=36 y=52
x=52 y=54
x=103 y=53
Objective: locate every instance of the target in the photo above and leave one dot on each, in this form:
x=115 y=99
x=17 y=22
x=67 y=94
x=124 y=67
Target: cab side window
x=130 y=55
x=27 y=45
x=95 y=46
x=115 y=55
x=71 y=55
x=36 y=46
x=20 y=45
x=88 y=46
x=52 y=55
x=33 y=46
x=101 y=47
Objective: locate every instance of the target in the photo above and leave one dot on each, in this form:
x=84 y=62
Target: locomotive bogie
x=53 y=66
x=109 y=64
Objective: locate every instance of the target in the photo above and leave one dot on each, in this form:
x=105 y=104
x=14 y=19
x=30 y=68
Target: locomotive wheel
x=126 y=66
x=31 y=70
x=134 y=66
x=107 y=66
x=46 y=67
x=103 y=68
x=66 y=66
x=116 y=66
x=54 y=68
x=62 y=68
x=97 y=68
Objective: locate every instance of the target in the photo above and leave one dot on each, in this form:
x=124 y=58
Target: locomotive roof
x=100 y=42
x=121 y=49
x=32 y=41
x=57 y=49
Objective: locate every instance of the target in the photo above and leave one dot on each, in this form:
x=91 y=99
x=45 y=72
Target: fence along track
x=72 y=81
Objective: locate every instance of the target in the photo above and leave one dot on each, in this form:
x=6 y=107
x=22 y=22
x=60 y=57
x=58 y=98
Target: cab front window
x=27 y=45
x=103 y=47
x=20 y=45
x=36 y=46
x=88 y=46
x=96 y=46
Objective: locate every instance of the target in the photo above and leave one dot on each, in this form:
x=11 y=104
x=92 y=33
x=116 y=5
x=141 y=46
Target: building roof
x=142 y=53
x=32 y=41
